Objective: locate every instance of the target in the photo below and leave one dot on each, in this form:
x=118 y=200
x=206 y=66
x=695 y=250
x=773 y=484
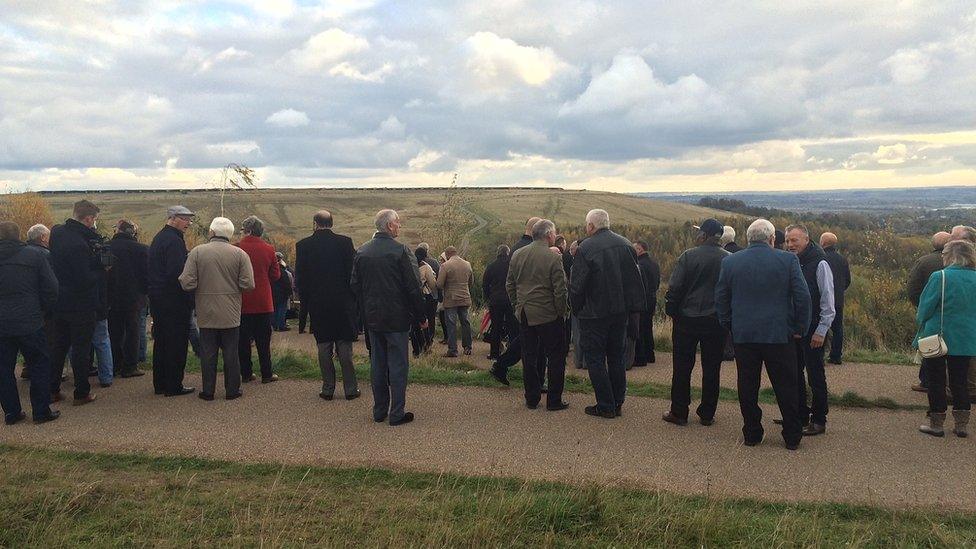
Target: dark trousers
x=34 y=347
x=256 y=328
x=123 y=330
x=171 y=334
x=644 y=351
x=513 y=353
x=302 y=316
x=811 y=362
x=388 y=369
x=837 y=335
x=686 y=336
x=780 y=361
x=72 y=332
x=958 y=368
x=430 y=308
x=544 y=343
x=602 y=341
x=224 y=340
x=496 y=334
x=440 y=316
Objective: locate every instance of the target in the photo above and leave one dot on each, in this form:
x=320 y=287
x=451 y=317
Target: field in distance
x=289 y=211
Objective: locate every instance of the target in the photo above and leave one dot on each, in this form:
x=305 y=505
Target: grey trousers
x=388 y=368
x=226 y=341
x=343 y=351
x=451 y=317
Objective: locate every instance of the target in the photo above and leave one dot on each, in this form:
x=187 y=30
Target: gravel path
x=868 y=456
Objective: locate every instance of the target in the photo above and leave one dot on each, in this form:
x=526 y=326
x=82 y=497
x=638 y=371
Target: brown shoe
x=918 y=387
x=90 y=397
x=57 y=397
x=671 y=418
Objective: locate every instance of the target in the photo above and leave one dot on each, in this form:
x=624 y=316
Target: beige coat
x=428 y=280
x=454 y=279
x=536 y=284
x=217 y=273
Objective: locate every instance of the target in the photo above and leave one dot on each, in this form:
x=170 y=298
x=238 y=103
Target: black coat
x=651 y=276
x=732 y=247
x=127 y=279
x=28 y=288
x=167 y=256
x=605 y=280
x=323 y=266
x=525 y=240
x=281 y=289
x=691 y=286
x=386 y=282
x=79 y=272
x=842 y=274
x=493 y=281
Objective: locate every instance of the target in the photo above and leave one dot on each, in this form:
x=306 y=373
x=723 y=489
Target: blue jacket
x=761 y=296
x=960 y=309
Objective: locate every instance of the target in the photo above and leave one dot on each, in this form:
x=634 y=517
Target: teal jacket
x=960 y=309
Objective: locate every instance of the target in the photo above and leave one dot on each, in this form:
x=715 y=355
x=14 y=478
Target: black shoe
x=25 y=373
x=467 y=352
x=324 y=396
x=272 y=379
x=14 y=418
x=596 y=411
x=707 y=422
x=133 y=373
x=285 y=329
x=205 y=396
x=51 y=416
x=159 y=391
x=181 y=391
x=407 y=418
x=671 y=418
x=619 y=411
x=105 y=385
x=531 y=406
x=836 y=361
x=354 y=396
x=559 y=406
x=544 y=389
x=234 y=396
x=651 y=360
x=814 y=429
x=248 y=378
x=500 y=377
x=379 y=419
x=755 y=442
x=792 y=445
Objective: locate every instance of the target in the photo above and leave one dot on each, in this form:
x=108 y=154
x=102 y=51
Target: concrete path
x=868 y=456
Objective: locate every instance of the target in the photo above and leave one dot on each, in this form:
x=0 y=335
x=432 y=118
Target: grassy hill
x=289 y=211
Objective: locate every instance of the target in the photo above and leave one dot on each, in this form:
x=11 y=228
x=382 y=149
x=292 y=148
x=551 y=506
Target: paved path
x=867 y=456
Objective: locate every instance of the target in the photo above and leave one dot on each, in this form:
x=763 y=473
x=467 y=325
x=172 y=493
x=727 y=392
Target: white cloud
x=234 y=147
x=288 y=118
x=328 y=47
x=908 y=66
x=495 y=61
x=350 y=71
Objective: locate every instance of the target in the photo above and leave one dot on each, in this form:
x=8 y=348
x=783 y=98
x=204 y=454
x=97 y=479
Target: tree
x=237 y=176
x=26 y=209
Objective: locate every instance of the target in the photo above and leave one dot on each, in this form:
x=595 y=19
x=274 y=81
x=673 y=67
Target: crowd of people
x=70 y=294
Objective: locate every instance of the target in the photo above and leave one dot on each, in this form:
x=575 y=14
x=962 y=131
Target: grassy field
x=53 y=499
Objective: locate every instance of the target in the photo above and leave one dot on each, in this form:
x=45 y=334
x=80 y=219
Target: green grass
x=55 y=499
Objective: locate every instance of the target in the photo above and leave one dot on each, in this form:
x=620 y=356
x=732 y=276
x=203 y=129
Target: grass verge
x=56 y=498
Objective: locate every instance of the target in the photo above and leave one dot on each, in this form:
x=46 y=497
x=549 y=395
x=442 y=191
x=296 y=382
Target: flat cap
x=174 y=211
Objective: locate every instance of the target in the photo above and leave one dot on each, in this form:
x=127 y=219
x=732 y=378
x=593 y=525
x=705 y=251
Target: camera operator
x=80 y=260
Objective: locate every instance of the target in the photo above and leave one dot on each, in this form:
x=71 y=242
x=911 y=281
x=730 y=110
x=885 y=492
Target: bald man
x=527 y=235
x=842 y=280
x=918 y=277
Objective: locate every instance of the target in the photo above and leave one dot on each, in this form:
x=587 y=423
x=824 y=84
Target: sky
x=627 y=96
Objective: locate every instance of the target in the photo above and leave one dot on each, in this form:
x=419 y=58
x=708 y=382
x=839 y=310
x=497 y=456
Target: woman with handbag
x=947 y=335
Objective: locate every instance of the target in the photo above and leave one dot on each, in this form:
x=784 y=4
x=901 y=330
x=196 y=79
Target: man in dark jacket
x=323 y=266
x=78 y=257
x=493 y=289
x=281 y=291
x=39 y=238
x=28 y=289
x=127 y=287
x=169 y=304
x=605 y=290
x=917 y=278
x=513 y=353
x=762 y=298
x=526 y=238
x=651 y=277
x=842 y=280
x=386 y=282
x=690 y=302
x=435 y=292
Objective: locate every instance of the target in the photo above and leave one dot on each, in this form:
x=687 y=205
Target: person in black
x=435 y=292
x=28 y=288
x=126 y=297
x=169 y=304
x=79 y=259
x=651 y=276
x=499 y=307
x=513 y=353
x=281 y=291
x=841 y=270
x=526 y=237
x=728 y=240
x=690 y=302
x=605 y=291
x=39 y=238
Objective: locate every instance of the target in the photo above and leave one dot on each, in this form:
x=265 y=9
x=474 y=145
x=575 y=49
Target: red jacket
x=266 y=271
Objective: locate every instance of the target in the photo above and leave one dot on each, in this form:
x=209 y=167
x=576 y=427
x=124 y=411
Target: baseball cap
x=174 y=211
x=711 y=227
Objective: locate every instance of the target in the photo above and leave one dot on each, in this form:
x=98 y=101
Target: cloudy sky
x=624 y=96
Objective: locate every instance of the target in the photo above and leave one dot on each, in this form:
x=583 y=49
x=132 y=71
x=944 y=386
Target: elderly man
x=127 y=287
x=526 y=238
x=454 y=280
x=728 y=240
x=323 y=266
x=38 y=238
x=842 y=280
x=500 y=308
x=536 y=287
x=169 y=304
x=605 y=289
x=690 y=302
x=218 y=272
x=651 y=277
x=386 y=280
x=79 y=262
x=258 y=305
x=29 y=289
x=917 y=278
x=762 y=298
x=810 y=350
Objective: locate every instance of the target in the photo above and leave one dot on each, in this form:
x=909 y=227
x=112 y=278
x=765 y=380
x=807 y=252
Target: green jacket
x=536 y=284
x=960 y=309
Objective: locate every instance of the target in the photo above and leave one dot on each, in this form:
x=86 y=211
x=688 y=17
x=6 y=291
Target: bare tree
x=237 y=176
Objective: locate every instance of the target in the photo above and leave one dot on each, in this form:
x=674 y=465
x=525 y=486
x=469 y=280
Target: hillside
x=289 y=211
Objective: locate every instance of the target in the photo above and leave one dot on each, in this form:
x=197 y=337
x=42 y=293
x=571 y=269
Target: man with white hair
x=963 y=232
x=386 y=280
x=38 y=237
x=728 y=240
x=605 y=290
x=762 y=298
x=218 y=273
